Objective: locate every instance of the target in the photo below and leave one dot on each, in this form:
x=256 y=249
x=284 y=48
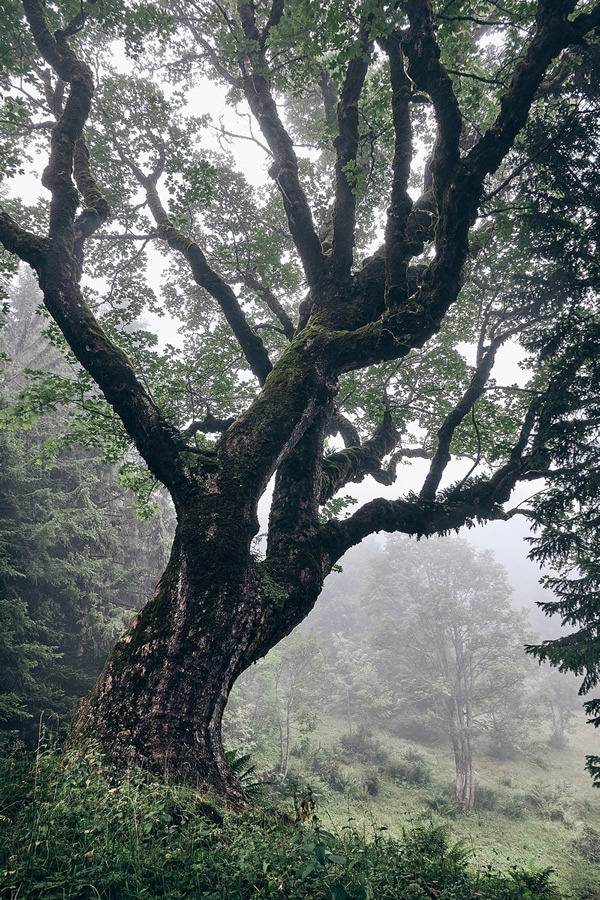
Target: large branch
x=397 y=248
x=467 y=502
x=346 y=146
x=205 y=276
x=29 y=247
x=430 y=76
x=480 y=502
x=58 y=267
x=273 y=21
x=294 y=514
x=554 y=33
x=354 y=463
x=458 y=184
x=284 y=169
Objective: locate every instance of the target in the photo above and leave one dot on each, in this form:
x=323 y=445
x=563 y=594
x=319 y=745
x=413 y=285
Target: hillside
x=76 y=828
x=536 y=811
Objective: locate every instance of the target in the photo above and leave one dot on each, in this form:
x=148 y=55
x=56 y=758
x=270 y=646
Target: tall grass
x=75 y=828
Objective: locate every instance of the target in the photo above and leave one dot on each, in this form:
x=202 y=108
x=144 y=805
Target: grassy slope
x=548 y=795
x=74 y=828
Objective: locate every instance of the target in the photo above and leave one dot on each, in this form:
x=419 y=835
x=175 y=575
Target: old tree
x=431 y=197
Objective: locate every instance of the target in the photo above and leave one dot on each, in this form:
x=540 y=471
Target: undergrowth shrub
x=486 y=798
x=552 y=802
x=513 y=806
x=325 y=762
x=443 y=802
x=77 y=829
x=345 y=782
x=370 y=783
x=362 y=747
x=588 y=844
x=412 y=769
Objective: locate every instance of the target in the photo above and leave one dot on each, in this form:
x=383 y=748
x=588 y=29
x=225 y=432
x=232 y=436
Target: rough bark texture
x=217 y=609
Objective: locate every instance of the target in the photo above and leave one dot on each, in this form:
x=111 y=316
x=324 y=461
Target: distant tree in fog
x=446 y=636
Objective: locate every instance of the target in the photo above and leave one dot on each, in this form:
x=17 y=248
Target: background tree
x=76 y=562
x=255 y=391
x=282 y=695
x=446 y=637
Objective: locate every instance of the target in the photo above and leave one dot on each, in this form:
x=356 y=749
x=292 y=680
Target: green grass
x=74 y=828
x=538 y=810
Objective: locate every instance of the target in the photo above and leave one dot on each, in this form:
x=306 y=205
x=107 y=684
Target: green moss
x=273 y=594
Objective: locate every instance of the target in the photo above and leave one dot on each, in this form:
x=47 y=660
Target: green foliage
x=411 y=769
x=69 y=580
x=75 y=561
x=550 y=801
x=278 y=699
x=443 y=802
x=77 y=828
x=588 y=844
x=363 y=747
x=447 y=642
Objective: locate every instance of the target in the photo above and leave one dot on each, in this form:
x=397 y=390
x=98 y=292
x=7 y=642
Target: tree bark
x=217 y=608
x=160 y=700
x=465 y=771
x=161 y=697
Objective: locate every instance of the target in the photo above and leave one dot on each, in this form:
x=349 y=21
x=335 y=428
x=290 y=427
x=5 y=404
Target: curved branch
x=446 y=432
x=457 y=183
x=284 y=169
x=346 y=146
x=97 y=211
x=27 y=246
x=479 y=502
x=354 y=463
x=58 y=268
x=204 y=275
x=341 y=425
x=554 y=33
x=430 y=76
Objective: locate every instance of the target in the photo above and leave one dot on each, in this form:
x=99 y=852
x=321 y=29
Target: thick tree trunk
x=161 y=697
x=159 y=702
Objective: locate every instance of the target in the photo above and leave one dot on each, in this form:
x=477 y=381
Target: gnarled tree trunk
x=217 y=608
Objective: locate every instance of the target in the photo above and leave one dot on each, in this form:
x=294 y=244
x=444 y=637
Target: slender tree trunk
x=463 y=760
x=286 y=757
